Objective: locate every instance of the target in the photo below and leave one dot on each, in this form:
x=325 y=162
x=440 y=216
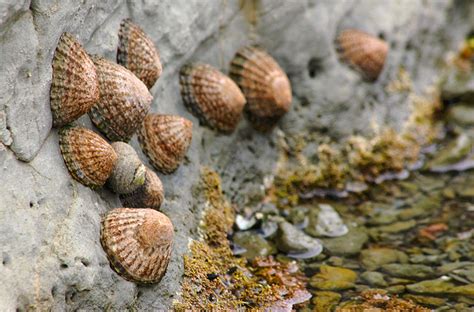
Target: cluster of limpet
x=259 y=87
x=137 y=241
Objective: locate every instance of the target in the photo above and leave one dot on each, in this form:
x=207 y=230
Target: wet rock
x=427 y=259
x=461 y=115
x=465 y=290
x=459 y=85
x=295 y=243
x=450 y=156
x=437 y=286
x=396 y=289
x=333 y=278
x=426 y=301
x=325 y=301
x=466 y=190
x=244 y=223
x=254 y=244
x=449 y=267
x=416 y=271
x=375 y=279
x=347 y=245
x=396 y=227
x=374 y=258
x=384 y=216
x=298 y=216
x=422 y=207
x=268 y=228
x=326 y=222
x=398 y=281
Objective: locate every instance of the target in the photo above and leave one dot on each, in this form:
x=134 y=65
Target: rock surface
x=51 y=258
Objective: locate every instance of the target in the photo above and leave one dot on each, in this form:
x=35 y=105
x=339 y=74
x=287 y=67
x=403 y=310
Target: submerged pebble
x=333 y=278
x=255 y=245
x=295 y=243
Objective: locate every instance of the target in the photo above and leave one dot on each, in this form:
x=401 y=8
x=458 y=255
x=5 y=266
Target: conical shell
x=129 y=172
x=362 y=51
x=211 y=96
x=264 y=84
x=74 y=87
x=88 y=157
x=124 y=101
x=138 y=243
x=165 y=140
x=150 y=194
x=137 y=52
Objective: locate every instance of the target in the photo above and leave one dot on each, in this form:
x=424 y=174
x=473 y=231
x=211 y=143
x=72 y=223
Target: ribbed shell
x=138 y=243
x=137 y=52
x=74 y=87
x=165 y=140
x=129 y=172
x=88 y=157
x=362 y=51
x=124 y=101
x=211 y=96
x=150 y=194
x=264 y=84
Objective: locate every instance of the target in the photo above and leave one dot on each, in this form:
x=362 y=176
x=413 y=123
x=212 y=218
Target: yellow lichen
x=360 y=158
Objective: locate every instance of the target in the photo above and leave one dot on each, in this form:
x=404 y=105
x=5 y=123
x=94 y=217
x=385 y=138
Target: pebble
x=295 y=243
x=348 y=245
x=333 y=278
x=375 y=279
x=254 y=244
x=373 y=258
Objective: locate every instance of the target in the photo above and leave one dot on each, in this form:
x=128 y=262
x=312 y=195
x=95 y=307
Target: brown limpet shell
x=137 y=52
x=165 y=139
x=264 y=84
x=150 y=194
x=138 y=243
x=124 y=101
x=74 y=86
x=129 y=172
x=88 y=157
x=211 y=96
x=363 y=52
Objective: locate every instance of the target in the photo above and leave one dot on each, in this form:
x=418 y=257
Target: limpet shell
x=364 y=52
x=150 y=194
x=137 y=53
x=74 y=87
x=264 y=84
x=88 y=157
x=138 y=243
x=124 y=101
x=129 y=172
x=165 y=139
x=211 y=96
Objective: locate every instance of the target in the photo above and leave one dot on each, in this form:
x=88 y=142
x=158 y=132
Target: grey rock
x=347 y=245
x=375 y=279
x=49 y=224
x=461 y=114
x=296 y=243
x=10 y=8
x=417 y=271
x=373 y=258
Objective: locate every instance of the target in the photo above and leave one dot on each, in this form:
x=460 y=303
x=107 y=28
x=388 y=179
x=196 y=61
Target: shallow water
x=412 y=237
